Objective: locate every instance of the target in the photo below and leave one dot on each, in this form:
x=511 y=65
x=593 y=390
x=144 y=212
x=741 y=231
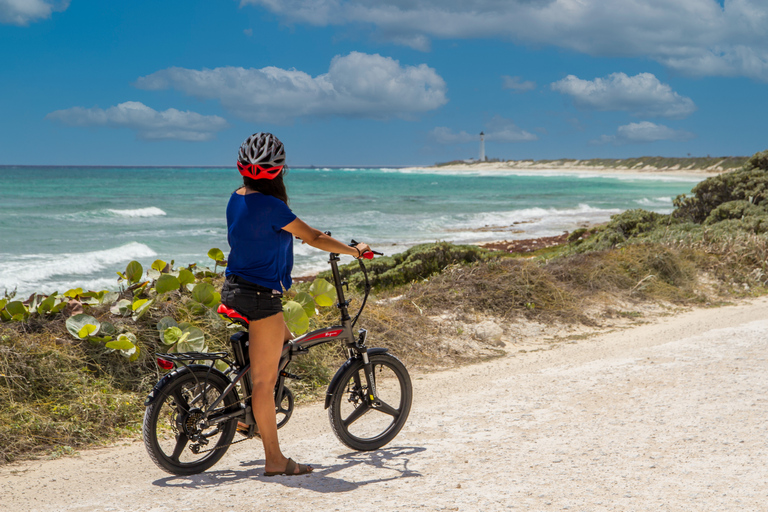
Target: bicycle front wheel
x=173 y=435
x=360 y=423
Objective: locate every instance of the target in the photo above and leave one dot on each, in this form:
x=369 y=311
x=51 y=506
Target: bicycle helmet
x=261 y=156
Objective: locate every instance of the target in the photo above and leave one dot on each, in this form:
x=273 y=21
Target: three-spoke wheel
x=363 y=423
x=175 y=435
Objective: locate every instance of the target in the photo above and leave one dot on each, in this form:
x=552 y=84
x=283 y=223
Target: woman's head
x=261 y=162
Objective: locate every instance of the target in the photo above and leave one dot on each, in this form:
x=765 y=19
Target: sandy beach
x=571 y=167
x=668 y=415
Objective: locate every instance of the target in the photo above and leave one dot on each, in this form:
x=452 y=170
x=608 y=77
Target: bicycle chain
x=226 y=445
x=231 y=442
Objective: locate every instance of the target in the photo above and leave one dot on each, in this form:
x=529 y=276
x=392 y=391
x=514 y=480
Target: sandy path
x=669 y=416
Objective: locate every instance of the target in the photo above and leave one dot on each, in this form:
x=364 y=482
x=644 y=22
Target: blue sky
x=385 y=82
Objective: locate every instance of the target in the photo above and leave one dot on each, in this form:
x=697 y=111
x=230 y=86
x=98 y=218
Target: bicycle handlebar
x=367 y=254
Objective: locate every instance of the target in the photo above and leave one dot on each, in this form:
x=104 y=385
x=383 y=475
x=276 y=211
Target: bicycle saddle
x=232 y=315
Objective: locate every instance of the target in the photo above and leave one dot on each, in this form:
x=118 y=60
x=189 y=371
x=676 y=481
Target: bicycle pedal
x=289 y=375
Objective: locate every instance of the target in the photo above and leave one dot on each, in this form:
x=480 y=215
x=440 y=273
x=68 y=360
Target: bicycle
x=192 y=413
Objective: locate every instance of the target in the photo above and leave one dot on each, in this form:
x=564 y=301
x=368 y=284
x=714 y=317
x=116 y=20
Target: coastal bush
x=418 y=262
x=622 y=227
x=749 y=183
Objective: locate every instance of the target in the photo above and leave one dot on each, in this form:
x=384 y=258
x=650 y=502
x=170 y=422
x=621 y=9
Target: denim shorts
x=251 y=300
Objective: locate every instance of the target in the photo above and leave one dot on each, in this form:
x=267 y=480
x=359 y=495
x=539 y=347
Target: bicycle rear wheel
x=172 y=436
x=360 y=424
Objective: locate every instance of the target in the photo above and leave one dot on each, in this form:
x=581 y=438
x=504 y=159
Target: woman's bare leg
x=266 y=344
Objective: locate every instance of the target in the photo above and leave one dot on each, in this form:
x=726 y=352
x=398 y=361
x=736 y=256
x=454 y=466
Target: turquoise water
x=62 y=227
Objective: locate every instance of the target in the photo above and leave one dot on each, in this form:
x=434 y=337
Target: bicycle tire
x=372 y=427
x=173 y=415
x=284 y=409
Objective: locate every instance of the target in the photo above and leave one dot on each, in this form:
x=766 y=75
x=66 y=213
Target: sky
x=380 y=82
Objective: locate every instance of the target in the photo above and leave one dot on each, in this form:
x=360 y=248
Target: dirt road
x=669 y=416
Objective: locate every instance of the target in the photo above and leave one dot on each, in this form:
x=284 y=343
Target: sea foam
x=44 y=272
x=151 y=211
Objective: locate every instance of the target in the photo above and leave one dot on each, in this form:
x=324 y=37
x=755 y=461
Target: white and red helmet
x=261 y=156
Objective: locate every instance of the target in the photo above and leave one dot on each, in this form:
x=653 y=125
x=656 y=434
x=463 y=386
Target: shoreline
x=572 y=168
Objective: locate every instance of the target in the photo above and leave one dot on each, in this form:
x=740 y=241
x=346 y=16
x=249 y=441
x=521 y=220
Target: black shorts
x=251 y=300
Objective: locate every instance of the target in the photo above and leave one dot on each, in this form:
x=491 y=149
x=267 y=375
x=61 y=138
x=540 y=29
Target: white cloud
x=645 y=131
x=356 y=85
x=498 y=129
x=444 y=135
x=517 y=84
x=700 y=37
x=642 y=94
x=148 y=123
x=22 y=12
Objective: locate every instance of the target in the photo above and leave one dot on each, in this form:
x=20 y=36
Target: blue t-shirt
x=261 y=252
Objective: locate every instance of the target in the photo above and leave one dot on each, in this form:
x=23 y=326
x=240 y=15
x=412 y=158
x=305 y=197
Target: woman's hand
x=362 y=248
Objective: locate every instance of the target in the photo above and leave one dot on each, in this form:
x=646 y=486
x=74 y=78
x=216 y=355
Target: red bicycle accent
x=326 y=334
x=231 y=314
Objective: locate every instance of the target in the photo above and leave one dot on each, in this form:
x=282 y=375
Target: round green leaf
x=76 y=323
x=134 y=271
x=107 y=328
x=193 y=340
x=215 y=300
x=46 y=306
x=203 y=293
x=121 y=343
x=295 y=317
x=159 y=265
x=141 y=309
x=186 y=277
x=171 y=335
x=87 y=330
x=110 y=298
x=216 y=255
x=323 y=292
x=307 y=302
x=121 y=307
x=16 y=308
x=138 y=304
x=73 y=293
x=167 y=283
x=165 y=323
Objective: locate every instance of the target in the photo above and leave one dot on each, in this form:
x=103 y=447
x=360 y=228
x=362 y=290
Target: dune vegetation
x=645 y=163
x=75 y=367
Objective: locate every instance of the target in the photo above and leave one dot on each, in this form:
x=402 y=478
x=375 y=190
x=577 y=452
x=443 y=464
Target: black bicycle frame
x=302 y=344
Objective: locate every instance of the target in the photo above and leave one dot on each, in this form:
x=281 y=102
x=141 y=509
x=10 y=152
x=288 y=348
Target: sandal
x=290 y=469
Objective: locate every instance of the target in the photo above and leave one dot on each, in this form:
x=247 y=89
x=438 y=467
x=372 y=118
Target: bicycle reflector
x=165 y=365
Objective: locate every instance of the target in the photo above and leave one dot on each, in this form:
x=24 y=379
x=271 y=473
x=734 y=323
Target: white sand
x=569 y=167
x=668 y=416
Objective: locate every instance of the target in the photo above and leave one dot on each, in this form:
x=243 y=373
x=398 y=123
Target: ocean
x=65 y=227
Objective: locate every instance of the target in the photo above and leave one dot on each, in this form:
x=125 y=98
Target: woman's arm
x=320 y=240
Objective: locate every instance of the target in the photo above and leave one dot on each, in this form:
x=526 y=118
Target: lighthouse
x=482 y=147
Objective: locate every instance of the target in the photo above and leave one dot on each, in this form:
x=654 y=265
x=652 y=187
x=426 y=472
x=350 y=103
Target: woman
x=261 y=228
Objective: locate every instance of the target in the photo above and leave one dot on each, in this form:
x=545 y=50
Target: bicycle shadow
x=394 y=460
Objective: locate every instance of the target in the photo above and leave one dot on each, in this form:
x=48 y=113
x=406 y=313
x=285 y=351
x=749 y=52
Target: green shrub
x=738 y=209
x=418 y=262
x=621 y=228
x=750 y=183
